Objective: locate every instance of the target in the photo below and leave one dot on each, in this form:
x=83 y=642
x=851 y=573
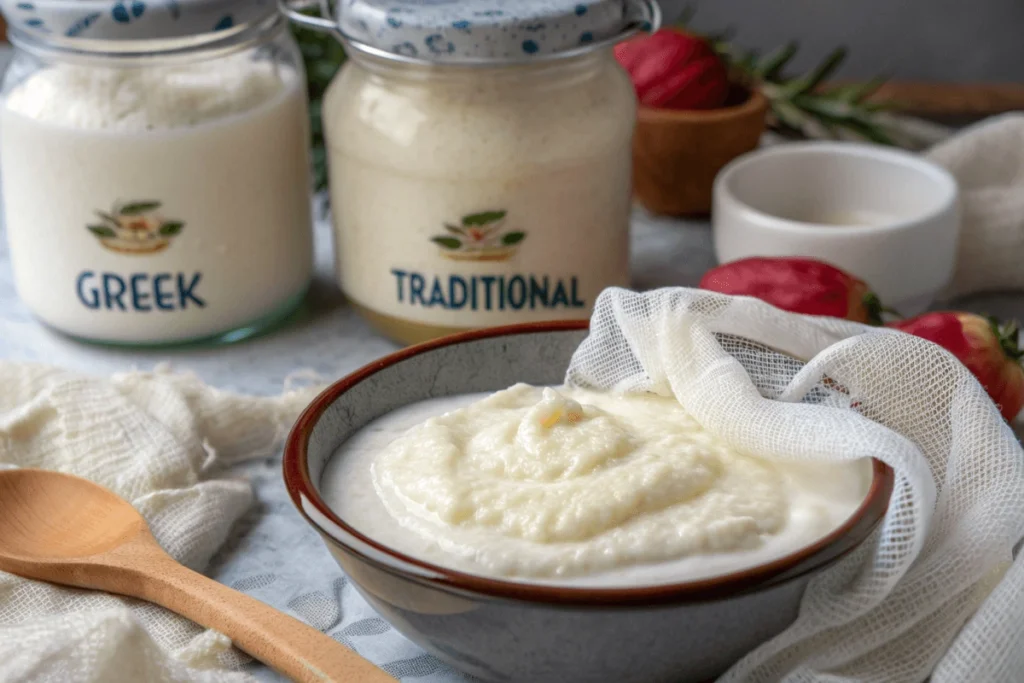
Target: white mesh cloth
x=158 y=440
x=892 y=611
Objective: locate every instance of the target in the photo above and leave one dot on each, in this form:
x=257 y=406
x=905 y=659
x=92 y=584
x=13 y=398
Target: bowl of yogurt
x=522 y=529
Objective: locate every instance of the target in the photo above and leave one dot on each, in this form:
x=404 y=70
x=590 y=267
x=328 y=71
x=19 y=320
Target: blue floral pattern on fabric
x=82 y=24
x=123 y=13
x=449 y=31
x=134 y=19
x=407 y=49
x=438 y=45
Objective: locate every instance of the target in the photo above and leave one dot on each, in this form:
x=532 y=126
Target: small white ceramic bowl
x=887 y=216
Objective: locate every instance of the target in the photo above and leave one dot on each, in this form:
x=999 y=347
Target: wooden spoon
x=63 y=529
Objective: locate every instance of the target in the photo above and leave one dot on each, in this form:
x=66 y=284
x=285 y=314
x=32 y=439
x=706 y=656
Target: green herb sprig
x=322 y=56
x=801 y=106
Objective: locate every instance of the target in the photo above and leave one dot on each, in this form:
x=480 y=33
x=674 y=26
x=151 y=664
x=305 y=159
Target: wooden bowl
x=677 y=154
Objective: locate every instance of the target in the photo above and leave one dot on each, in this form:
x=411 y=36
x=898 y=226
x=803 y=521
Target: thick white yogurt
x=579 y=487
x=465 y=198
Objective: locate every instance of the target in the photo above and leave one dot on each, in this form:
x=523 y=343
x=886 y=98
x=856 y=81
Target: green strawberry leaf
x=101 y=231
x=171 y=228
x=454 y=229
x=513 y=238
x=1008 y=335
x=447 y=242
x=483 y=218
x=773 y=64
x=135 y=208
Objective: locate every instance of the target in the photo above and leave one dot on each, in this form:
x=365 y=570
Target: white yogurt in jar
x=157 y=204
x=572 y=486
x=469 y=198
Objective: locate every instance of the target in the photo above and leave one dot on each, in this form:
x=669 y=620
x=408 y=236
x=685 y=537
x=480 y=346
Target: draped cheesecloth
x=159 y=441
x=918 y=596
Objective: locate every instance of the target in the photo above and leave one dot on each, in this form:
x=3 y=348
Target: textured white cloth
x=987 y=160
x=891 y=611
x=158 y=440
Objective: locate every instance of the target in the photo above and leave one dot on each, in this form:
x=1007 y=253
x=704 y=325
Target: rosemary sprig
x=322 y=56
x=801 y=106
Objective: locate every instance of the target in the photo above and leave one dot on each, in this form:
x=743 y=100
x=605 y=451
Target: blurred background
x=915 y=40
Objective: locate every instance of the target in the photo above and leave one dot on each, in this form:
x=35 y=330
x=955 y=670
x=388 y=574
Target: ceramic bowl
x=887 y=216
x=676 y=154
x=507 y=631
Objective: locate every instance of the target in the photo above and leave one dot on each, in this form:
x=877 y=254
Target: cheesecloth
x=917 y=598
x=160 y=441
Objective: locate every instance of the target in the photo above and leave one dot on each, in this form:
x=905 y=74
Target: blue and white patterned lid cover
x=462 y=30
x=51 y=20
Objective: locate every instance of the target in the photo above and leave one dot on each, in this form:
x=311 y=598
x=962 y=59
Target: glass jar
x=156 y=175
x=472 y=190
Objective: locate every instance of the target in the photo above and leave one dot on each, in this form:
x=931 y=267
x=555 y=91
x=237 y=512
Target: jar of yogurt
x=155 y=168
x=480 y=158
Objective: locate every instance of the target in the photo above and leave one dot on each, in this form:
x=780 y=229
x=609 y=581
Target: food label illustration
x=137 y=228
x=479 y=237
x=484 y=236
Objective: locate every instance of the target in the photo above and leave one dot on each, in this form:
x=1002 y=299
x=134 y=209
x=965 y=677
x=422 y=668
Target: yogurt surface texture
x=570 y=485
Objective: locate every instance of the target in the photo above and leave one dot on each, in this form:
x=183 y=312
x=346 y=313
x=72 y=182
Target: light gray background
x=927 y=40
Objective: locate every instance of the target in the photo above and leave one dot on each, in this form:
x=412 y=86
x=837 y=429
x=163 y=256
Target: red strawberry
x=674 y=70
x=988 y=349
x=800 y=285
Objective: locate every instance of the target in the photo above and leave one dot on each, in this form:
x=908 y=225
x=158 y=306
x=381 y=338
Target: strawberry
x=674 y=70
x=800 y=285
x=988 y=349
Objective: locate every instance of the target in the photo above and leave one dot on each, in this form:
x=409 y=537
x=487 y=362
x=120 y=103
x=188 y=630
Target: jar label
x=159 y=236
x=484 y=237
x=137 y=228
x=494 y=263
x=538 y=250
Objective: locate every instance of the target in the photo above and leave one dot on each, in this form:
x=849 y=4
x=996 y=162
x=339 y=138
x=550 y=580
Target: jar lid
x=473 y=30
x=131 y=20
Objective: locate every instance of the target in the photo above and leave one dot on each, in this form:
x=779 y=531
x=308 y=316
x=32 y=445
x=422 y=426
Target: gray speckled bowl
x=508 y=631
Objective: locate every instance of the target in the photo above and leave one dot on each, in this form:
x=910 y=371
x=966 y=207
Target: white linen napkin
x=987 y=160
x=158 y=440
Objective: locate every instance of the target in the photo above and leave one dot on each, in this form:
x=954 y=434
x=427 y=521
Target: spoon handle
x=285 y=644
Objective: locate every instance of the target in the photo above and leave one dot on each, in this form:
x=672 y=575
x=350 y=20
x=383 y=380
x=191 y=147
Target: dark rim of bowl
x=823 y=552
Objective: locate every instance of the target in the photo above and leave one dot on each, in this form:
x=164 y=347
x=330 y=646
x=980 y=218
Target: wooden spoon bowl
x=63 y=529
x=66 y=520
